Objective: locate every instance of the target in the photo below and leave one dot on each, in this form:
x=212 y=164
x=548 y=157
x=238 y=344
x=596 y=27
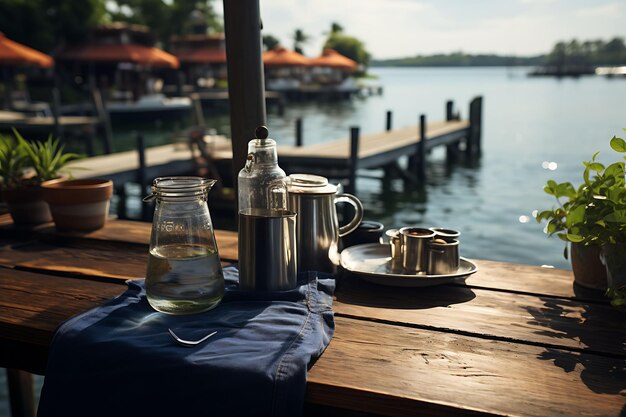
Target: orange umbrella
x=13 y=53
x=282 y=57
x=202 y=56
x=333 y=59
x=135 y=53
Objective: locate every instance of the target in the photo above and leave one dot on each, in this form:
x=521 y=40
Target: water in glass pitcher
x=184 y=279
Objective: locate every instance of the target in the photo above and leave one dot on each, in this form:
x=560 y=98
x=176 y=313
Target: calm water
x=528 y=122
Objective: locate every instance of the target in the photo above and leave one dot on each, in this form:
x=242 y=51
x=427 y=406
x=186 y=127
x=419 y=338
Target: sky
x=400 y=28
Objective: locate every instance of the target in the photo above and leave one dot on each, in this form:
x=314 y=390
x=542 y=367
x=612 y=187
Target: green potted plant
x=24 y=166
x=592 y=218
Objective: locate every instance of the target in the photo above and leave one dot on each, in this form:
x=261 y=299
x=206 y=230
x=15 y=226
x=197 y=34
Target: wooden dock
x=86 y=127
x=46 y=124
x=338 y=159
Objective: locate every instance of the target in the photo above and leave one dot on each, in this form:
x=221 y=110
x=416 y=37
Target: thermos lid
x=309 y=184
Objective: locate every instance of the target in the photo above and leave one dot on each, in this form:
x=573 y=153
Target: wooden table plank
x=500 y=315
x=399 y=371
x=431 y=372
x=531 y=279
x=128 y=231
x=112 y=264
x=33 y=305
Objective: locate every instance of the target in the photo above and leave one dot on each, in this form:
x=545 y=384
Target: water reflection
x=526 y=121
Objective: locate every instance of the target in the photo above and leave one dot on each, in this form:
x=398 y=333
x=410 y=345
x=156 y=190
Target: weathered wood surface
x=33 y=305
x=375 y=143
x=20 y=121
x=529 y=319
x=115 y=231
x=515 y=340
x=400 y=371
x=179 y=158
x=126 y=231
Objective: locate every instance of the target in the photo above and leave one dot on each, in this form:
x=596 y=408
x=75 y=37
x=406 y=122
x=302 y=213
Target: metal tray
x=372 y=262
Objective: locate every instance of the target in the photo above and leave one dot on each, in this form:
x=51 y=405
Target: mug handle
x=358 y=212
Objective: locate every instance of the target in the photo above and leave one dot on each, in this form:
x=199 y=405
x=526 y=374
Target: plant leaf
x=617 y=216
x=575 y=216
x=574 y=238
x=596 y=166
x=618 y=144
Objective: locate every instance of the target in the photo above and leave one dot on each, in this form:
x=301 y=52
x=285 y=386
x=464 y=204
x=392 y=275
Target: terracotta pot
x=614 y=257
x=78 y=204
x=27 y=206
x=588 y=270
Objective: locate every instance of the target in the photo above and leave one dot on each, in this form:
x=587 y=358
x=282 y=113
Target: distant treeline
x=564 y=54
x=459 y=59
x=587 y=53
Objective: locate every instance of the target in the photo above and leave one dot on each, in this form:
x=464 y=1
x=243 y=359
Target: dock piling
x=354 y=159
x=452 y=149
x=299 y=131
x=141 y=152
x=473 y=146
x=56 y=113
x=197 y=110
x=417 y=162
x=105 y=121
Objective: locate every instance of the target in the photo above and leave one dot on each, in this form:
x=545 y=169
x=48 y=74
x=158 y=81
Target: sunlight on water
x=525 y=120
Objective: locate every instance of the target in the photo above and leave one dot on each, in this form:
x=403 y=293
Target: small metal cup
x=267 y=250
x=445 y=234
x=443 y=258
x=395 y=243
x=413 y=244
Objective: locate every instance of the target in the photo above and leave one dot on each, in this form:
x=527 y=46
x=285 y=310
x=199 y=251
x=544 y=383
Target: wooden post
x=56 y=112
x=105 y=121
x=141 y=153
x=121 y=201
x=180 y=83
x=197 y=110
x=417 y=163
x=449 y=110
x=8 y=87
x=473 y=146
x=452 y=148
x=246 y=87
x=299 y=131
x=354 y=159
x=20 y=384
x=388 y=121
x=141 y=172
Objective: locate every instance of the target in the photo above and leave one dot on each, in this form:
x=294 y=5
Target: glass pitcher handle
x=358 y=213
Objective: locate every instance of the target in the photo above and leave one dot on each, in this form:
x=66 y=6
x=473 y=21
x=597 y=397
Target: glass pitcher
x=184 y=273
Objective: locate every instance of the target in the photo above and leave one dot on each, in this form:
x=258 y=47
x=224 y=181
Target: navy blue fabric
x=119 y=360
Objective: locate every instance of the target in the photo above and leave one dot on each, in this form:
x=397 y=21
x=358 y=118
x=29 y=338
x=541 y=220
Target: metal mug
x=395 y=244
x=445 y=234
x=443 y=257
x=413 y=241
x=267 y=250
x=317 y=227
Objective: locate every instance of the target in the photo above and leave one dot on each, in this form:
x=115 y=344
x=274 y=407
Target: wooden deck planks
x=515 y=341
x=176 y=158
x=529 y=319
x=442 y=373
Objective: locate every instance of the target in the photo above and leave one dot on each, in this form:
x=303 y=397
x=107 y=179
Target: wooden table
x=514 y=341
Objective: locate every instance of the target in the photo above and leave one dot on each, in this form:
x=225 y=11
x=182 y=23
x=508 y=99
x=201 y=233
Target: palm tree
x=335 y=28
x=300 y=38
